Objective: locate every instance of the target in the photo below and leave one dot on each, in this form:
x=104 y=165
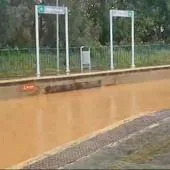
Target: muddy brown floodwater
x=30 y=126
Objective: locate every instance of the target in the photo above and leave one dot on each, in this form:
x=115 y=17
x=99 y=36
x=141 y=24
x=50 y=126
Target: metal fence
x=22 y=63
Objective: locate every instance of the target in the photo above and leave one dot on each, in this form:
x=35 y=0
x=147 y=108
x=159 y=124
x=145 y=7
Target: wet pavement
x=33 y=125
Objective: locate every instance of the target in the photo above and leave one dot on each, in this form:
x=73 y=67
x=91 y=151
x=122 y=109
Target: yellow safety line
x=83 y=74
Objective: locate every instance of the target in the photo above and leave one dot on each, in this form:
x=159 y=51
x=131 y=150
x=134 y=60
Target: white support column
x=126 y=14
x=133 y=41
x=81 y=48
x=67 y=43
x=90 y=60
x=56 y=10
x=111 y=42
x=57 y=40
x=37 y=42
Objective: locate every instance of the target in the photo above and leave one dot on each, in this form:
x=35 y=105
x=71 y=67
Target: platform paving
x=139 y=144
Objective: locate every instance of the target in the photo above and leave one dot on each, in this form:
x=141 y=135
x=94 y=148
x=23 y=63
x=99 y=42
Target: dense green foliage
x=88 y=22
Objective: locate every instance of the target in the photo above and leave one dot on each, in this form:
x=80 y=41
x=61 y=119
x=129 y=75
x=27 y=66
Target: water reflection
x=33 y=125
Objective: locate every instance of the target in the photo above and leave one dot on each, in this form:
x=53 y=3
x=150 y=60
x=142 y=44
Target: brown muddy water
x=30 y=126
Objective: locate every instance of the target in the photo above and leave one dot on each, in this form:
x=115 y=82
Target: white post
x=111 y=41
x=57 y=40
x=133 y=41
x=67 y=45
x=37 y=41
x=81 y=48
x=90 y=60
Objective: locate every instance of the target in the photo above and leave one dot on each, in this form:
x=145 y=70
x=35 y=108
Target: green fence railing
x=22 y=62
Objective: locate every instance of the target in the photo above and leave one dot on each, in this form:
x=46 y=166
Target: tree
x=3 y=22
x=88 y=22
